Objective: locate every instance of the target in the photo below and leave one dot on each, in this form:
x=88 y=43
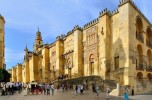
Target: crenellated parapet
x=62 y=36
x=122 y=2
x=93 y=22
x=104 y=12
x=77 y=27
x=70 y=32
x=114 y=12
x=19 y=64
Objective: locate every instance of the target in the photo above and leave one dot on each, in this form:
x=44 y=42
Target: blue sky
x=53 y=17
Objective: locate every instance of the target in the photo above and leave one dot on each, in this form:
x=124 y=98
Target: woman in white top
x=52 y=88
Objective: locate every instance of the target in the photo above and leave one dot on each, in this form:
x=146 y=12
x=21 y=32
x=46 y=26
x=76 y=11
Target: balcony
x=139 y=67
x=149 y=68
x=148 y=43
x=139 y=37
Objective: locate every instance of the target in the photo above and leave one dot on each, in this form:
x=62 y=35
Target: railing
x=139 y=67
x=88 y=80
x=119 y=70
x=139 y=37
x=148 y=43
x=149 y=68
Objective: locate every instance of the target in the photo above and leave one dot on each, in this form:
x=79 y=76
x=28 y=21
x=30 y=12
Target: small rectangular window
x=116 y=62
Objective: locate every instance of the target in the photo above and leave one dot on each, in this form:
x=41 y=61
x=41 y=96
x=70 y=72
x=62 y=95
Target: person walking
x=45 y=89
x=81 y=89
x=73 y=89
x=108 y=91
x=48 y=89
x=126 y=96
x=4 y=89
x=26 y=90
x=93 y=87
x=29 y=88
x=7 y=87
x=58 y=87
x=52 y=88
x=97 y=90
x=63 y=87
x=132 y=91
x=76 y=89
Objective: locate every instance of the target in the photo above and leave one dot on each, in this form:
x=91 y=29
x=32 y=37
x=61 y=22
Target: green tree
x=1 y=75
x=4 y=75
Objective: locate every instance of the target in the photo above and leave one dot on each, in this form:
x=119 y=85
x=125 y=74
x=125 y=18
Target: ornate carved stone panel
x=91 y=36
x=52 y=64
x=53 y=53
x=68 y=59
x=91 y=44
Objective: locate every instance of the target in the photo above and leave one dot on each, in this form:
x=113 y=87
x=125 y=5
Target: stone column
x=118 y=89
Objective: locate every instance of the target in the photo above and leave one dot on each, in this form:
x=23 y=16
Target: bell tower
x=2 y=43
x=38 y=40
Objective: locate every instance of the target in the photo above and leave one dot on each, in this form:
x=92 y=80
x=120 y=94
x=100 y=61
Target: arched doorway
x=91 y=65
x=149 y=76
x=139 y=61
x=140 y=77
x=139 y=29
x=149 y=37
x=139 y=24
x=149 y=62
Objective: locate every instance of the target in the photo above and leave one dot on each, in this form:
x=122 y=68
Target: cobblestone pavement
x=71 y=96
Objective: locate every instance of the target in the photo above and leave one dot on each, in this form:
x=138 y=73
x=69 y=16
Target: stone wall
x=2 y=43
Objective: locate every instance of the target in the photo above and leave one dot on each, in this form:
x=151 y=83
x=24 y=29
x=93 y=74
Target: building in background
x=10 y=72
x=2 y=42
x=115 y=46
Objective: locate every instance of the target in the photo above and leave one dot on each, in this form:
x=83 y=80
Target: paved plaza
x=71 y=96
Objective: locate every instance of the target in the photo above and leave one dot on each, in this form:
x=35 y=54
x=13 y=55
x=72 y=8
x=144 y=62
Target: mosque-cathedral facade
x=116 y=46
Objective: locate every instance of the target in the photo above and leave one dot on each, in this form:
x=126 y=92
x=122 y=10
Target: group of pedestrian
x=9 y=88
x=79 y=89
x=48 y=88
x=45 y=88
x=64 y=87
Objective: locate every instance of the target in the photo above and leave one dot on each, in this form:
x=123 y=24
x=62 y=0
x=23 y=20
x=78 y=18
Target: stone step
x=114 y=92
